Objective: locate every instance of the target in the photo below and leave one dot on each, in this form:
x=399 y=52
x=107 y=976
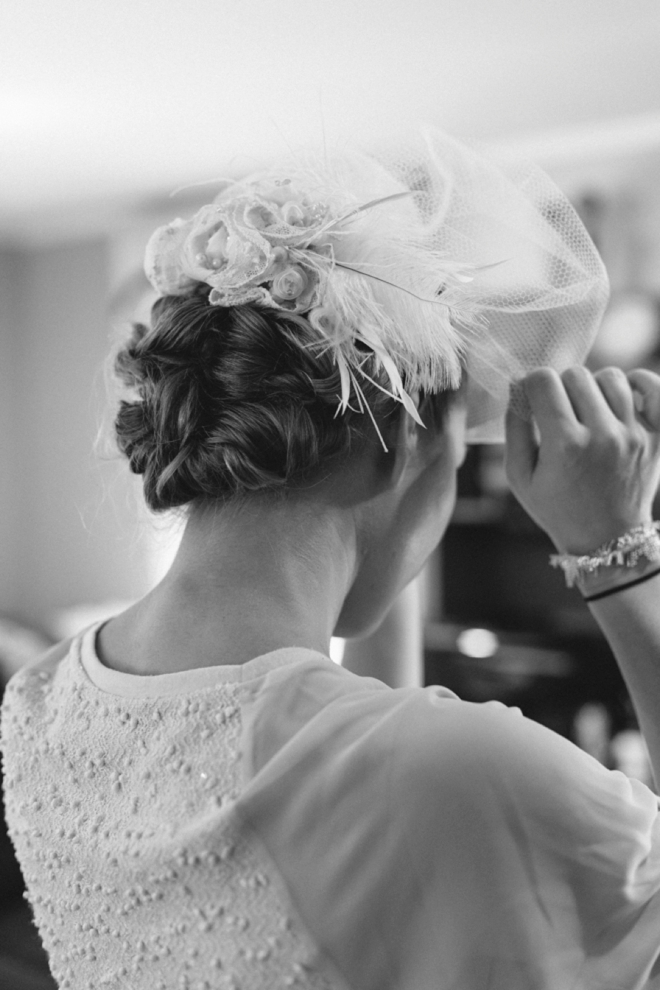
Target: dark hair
x=231 y=400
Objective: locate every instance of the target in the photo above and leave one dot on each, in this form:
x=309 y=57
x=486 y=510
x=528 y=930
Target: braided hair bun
x=228 y=401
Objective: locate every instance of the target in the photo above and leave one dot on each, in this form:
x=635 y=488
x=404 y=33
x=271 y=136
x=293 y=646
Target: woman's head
x=233 y=401
x=306 y=310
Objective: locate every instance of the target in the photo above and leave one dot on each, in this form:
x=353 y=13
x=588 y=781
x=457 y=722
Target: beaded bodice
x=138 y=869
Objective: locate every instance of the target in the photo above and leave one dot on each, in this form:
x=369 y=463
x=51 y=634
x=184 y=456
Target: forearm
x=394 y=653
x=630 y=620
x=587 y=469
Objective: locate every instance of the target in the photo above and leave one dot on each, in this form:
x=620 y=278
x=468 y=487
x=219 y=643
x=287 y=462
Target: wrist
x=608 y=565
x=585 y=542
x=615 y=578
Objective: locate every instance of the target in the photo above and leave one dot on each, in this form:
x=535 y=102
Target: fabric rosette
x=244 y=248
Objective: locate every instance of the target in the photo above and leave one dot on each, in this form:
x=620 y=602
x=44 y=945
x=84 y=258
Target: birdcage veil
x=430 y=257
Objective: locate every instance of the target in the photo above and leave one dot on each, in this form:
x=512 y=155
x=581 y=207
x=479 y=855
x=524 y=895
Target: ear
x=406 y=438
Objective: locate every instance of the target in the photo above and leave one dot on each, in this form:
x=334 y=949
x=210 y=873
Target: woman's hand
x=592 y=470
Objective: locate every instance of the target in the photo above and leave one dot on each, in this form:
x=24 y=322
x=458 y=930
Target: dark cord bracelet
x=621 y=587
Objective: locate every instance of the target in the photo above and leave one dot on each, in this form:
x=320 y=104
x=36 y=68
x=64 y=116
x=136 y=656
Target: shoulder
x=27 y=683
x=431 y=743
x=317 y=710
x=435 y=819
x=46 y=663
x=300 y=701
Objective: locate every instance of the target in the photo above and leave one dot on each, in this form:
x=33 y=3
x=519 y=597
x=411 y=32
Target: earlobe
x=408 y=423
x=407 y=440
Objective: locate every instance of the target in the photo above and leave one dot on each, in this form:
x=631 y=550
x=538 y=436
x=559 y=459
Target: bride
x=197 y=795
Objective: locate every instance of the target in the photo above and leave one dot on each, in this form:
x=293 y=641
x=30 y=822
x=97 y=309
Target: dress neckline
x=180 y=682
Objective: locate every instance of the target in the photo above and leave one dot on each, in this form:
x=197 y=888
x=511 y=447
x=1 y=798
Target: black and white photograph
x=330 y=495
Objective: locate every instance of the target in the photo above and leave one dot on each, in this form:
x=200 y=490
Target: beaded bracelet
x=625 y=551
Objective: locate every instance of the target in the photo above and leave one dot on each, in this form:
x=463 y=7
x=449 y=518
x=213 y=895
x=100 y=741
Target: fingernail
x=638 y=400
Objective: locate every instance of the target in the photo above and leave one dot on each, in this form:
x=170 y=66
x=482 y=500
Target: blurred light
x=477 y=642
x=631 y=756
x=337 y=649
x=629 y=332
x=67 y=622
x=592 y=726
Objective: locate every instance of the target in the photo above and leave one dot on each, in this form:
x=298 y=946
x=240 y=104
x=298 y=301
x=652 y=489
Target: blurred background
x=107 y=108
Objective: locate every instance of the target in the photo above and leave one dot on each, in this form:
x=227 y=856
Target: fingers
x=561 y=405
x=646 y=388
x=550 y=403
x=618 y=394
x=521 y=449
x=587 y=398
x=595 y=401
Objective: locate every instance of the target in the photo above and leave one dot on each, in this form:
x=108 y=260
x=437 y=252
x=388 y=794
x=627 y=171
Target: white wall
x=68 y=530
x=129 y=97
x=9 y=494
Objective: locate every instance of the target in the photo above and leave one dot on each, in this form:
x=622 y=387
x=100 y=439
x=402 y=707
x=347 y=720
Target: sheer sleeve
x=431 y=842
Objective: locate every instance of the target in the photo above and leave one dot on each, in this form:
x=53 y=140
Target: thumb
x=521 y=449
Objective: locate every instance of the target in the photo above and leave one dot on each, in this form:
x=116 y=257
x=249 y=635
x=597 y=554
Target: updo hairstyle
x=230 y=401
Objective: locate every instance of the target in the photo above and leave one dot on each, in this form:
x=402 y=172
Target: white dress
x=285 y=823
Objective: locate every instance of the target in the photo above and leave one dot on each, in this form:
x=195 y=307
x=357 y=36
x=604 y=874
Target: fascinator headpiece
x=423 y=256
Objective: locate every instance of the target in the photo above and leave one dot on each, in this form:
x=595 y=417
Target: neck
x=254 y=578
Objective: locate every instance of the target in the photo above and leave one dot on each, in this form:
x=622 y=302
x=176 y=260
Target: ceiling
x=108 y=105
